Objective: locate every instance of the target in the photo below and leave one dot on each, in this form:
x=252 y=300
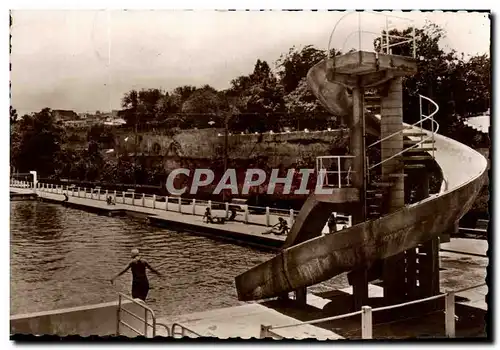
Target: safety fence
x=149 y=329
x=366 y=312
x=255 y=215
x=179 y=330
x=335 y=170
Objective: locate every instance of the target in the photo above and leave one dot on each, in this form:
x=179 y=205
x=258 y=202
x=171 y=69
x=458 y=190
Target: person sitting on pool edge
x=232 y=216
x=140 y=283
x=110 y=201
x=212 y=219
x=282 y=228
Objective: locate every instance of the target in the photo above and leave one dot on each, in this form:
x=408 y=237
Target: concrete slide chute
x=323 y=257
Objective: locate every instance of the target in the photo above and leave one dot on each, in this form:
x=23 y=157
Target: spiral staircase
x=418 y=150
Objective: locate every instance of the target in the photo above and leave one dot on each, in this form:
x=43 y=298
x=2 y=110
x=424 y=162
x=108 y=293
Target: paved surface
x=480 y=123
x=461 y=271
x=466 y=246
x=184 y=217
x=245 y=321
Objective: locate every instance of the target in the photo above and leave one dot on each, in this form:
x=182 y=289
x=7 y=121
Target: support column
x=360 y=288
x=301 y=296
x=357 y=149
x=391 y=122
x=394 y=268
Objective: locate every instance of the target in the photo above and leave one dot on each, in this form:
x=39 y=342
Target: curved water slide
x=305 y=263
x=335 y=98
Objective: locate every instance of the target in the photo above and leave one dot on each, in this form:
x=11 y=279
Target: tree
x=203 y=100
x=457 y=86
x=101 y=134
x=13 y=115
x=181 y=94
x=477 y=79
x=131 y=103
x=293 y=66
x=35 y=142
x=258 y=97
x=141 y=107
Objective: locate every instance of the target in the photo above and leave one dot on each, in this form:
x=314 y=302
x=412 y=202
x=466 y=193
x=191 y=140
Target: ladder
x=146 y=324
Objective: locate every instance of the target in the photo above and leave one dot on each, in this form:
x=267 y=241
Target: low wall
x=97 y=319
x=208 y=144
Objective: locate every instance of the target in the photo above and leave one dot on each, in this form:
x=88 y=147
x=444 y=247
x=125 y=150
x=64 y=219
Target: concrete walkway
x=476 y=247
x=244 y=321
x=172 y=215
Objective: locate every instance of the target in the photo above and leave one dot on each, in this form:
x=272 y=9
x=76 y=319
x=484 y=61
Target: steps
x=372 y=102
x=414 y=156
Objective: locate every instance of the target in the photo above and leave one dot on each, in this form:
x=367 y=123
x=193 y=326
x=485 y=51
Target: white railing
x=342 y=174
x=370 y=26
x=366 y=313
x=255 y=215
x=21 y=183
x=146 y=324
x=420 y=123
x=183 y=331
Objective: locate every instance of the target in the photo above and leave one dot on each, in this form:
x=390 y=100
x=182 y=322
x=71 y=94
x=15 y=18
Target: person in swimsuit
x=232 y=216
x=140 y=283
x=281 y=230
x=332 y=223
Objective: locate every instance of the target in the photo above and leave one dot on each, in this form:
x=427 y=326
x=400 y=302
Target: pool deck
x=458 y=271
x=245 y=321
x=235 y=231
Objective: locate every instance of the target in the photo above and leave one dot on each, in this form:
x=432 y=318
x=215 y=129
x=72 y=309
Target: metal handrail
x=270 y=211
x=422 y=141
x=332 y=318
x=418 y=301
x=322 y=171
x=409 y=127
x=183 y=330
x=450 y=311
x=145 y=319
x=164 y=326
x=386 y=35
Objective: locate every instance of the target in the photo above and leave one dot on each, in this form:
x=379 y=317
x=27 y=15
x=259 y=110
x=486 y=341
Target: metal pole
x=450 y=314
x=226 y=139
x=118 y=315
x=359 y=31
x=135 y=150
x=387 y=35
x=414 y=43
x=264 y=331
x=366 y=323
x=267 y=217
x=339 y=171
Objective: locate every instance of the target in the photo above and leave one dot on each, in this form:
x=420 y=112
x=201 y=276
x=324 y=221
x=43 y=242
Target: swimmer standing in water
x=140 y=283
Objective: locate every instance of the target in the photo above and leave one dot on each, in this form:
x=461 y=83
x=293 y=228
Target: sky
x=85 y=60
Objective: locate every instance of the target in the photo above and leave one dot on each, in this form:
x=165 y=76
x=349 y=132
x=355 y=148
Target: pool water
x=63 y=257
